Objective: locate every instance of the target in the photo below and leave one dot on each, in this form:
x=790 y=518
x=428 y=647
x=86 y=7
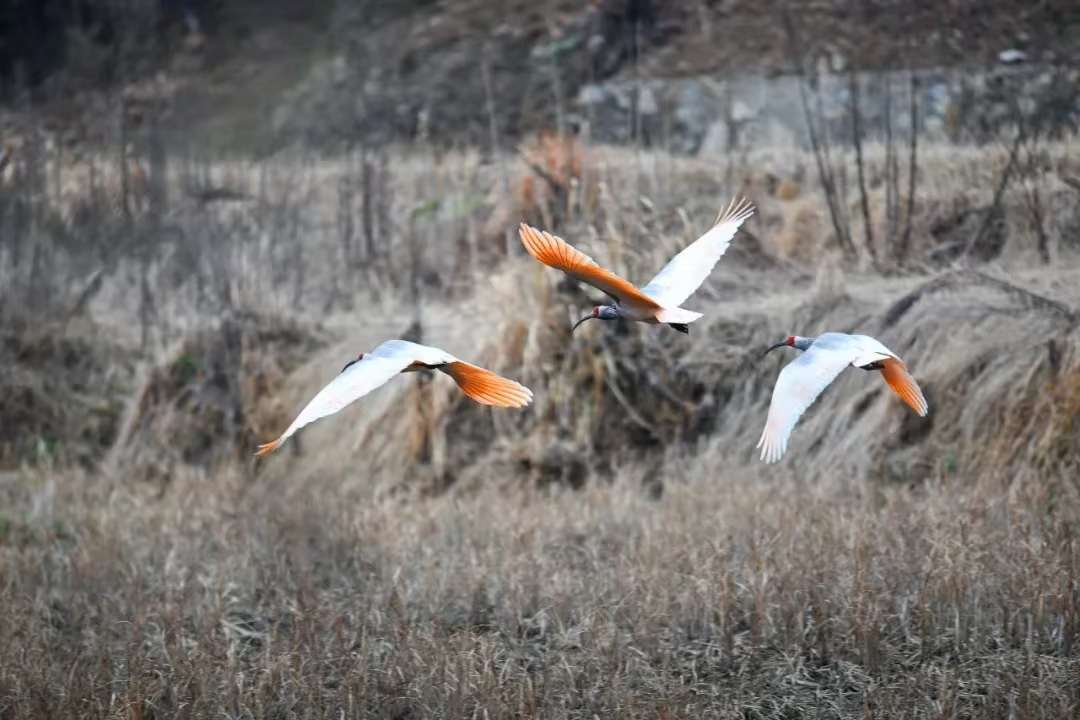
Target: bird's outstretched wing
x=356 y=381
x=798 y=385
x=487 y=388
x=685 y=272
x=557 y=253
x=896 y=374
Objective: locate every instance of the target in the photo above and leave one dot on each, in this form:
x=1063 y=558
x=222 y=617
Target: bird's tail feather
x=486 y=387
x=896 y=374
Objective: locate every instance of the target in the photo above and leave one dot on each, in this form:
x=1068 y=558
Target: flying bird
x=823 y=359
x=659 y=301
x=372 y=370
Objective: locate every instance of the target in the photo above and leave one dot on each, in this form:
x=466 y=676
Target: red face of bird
x=796 y=341
x=353 y=362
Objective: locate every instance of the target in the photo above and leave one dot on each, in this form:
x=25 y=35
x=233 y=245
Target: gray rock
x=713 y=115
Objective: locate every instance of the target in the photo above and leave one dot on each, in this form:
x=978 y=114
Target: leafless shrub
x=819 y=140
x=206 y=404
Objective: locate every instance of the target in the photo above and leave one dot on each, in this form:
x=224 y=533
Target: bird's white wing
x=798 y=385
x=359 y=379
x=687 y=270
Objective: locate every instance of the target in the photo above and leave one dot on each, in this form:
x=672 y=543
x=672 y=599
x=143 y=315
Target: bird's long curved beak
x=777 y=345
x=587 y=317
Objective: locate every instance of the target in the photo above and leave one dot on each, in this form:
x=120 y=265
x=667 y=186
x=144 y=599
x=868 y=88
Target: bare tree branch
x=913 y=170
x=856 y=130
x=999 y=193
x=825 y=173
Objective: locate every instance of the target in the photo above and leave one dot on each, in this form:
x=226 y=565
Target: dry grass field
x=616 y=550
x=731 y=596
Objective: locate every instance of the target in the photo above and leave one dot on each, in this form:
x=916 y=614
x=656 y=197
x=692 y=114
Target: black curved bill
x=587 y=317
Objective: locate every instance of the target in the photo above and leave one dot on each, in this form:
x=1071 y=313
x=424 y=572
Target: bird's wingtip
x=488 y=388
x=267 y=448
x=738 y=210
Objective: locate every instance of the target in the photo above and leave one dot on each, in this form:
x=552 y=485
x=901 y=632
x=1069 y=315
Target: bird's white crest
x=372 y=371
x=685 y=272
x=804 y=378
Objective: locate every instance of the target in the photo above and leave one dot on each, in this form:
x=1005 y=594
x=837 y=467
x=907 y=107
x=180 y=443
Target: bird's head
x=600 y=312
x=794 y=341
x=353 y=362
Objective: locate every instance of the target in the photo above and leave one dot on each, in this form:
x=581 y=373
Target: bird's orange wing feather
x=896 y=374
x=557 y=253
x=486 y=387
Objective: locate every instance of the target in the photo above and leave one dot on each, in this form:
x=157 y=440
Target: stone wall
x=709 y=115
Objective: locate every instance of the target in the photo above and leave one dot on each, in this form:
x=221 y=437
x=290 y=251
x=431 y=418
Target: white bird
x=659 y=301
x=372 y=370
x=823 y=359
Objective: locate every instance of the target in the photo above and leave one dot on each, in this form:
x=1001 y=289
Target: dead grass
x=730 y=597
x=62 y=394
x=212 y=399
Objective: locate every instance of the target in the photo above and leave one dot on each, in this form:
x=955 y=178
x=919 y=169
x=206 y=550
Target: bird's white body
x=859 y=349
x=823 y=359
x=375 y=368
x=636 y=313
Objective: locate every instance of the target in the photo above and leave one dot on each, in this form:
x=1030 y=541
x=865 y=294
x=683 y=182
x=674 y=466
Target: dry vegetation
x=733 y=596
x=616 y=550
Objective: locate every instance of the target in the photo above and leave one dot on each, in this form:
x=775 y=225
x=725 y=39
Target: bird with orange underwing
x=374 y=369
x=823 y=359
x=659 y=301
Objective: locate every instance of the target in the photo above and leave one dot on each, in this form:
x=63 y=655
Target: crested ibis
x=373 y=369
x=823 y=359
x=659 y=301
